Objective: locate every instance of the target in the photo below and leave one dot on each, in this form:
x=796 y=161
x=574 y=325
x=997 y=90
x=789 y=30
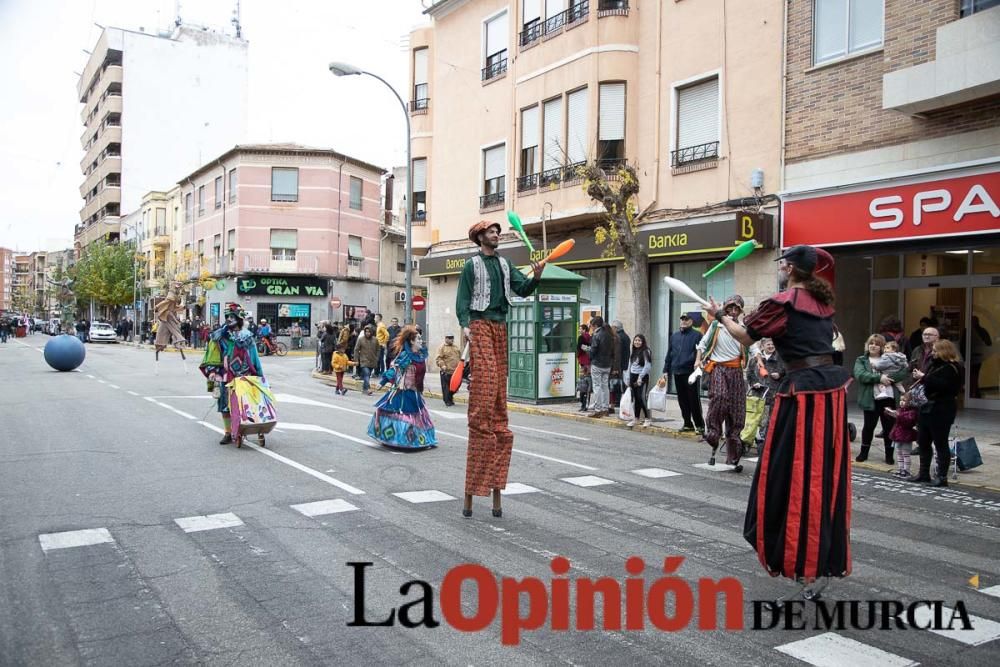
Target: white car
x=102 y=333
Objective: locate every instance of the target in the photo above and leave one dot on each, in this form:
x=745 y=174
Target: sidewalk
x=982 y=425
x=199 y=350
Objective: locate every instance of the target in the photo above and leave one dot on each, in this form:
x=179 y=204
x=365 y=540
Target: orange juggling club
x=558 y=252
x=456 y=375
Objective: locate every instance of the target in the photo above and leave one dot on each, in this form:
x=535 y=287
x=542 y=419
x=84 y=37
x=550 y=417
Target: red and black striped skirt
x=799 y=512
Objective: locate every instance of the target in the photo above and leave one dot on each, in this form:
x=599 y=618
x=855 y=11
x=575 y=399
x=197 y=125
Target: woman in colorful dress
x=401 y=419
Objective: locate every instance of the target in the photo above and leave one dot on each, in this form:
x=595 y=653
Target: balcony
x=87 y=234
x=612 y=8
x=418 y=107
x=966 y=68
x=541 y=30
x=356 y=269
x=109 y=135
x=492 y=201
x=702 y=154
x=110 y=165
x=111 y=194
x=496 y=65
x=550 y=177
x=262 y=262
x=529 y=182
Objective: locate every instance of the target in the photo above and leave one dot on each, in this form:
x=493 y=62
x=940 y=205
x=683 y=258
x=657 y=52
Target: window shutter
x=419 y=67
x=553 y=7
x=496 y=35
x=576 y=135
x=284 y=238
x=354 y=247
x=532 y=11
x=420 y=175
x=612 y=111
x=698 y=114
x=552 y=147
x=493 y=162
x=830 y=18
x=529 y=127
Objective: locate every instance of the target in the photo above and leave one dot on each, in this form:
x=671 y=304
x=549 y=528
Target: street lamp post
x=343 y=69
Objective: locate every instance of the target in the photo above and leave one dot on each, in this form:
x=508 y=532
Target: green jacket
x=868 y=378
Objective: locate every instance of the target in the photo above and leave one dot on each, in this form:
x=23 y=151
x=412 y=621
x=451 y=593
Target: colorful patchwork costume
x=401 y=419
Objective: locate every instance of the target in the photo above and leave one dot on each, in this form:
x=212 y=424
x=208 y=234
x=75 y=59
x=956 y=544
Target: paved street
x=129 y=537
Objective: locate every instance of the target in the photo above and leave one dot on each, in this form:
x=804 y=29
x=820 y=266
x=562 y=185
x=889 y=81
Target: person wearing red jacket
x=904 y=433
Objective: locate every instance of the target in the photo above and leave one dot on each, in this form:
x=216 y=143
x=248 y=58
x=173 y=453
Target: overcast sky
x=292 y=95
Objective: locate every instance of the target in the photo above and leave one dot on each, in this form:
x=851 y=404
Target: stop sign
x=335 y=302
x=419 y=302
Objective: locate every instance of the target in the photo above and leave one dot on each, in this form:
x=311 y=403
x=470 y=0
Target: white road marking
x=983 y=630
x=91 y=376
x=295 y=464
x=655 y=473
x=322 y=429
x=195 y=524
x=113 y=386
x=199 y=396
x=587 y=480
x=832 y=650
x=75 y=538
x=751 y=460
x=131 y=393
x=171 y=408
x=430 y=496
x=450 y=415
x=552 y=458
x=718 y=467
x=516 y=488
x=101 y=381
x=301 y=400
x=559 y=435
x=324 y=507
x=992 y=590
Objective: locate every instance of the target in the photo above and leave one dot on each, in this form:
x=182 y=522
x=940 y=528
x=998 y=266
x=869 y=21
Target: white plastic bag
x=657 y=399
x=626 y=410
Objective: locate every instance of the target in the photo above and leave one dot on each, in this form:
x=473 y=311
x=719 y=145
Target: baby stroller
x=251 y=409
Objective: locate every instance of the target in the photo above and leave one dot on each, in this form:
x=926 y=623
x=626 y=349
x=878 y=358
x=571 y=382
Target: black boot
x=863 y=455
x=888 y=454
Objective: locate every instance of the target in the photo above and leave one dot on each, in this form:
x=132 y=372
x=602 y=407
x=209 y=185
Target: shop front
x=920 y=245
x=282 y=300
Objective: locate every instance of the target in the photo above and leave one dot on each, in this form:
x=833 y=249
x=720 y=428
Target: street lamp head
x=343 y=69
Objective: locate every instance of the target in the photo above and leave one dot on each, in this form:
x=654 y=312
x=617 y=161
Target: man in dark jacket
x=603 y=355
x=619 y=376
x=366 y=356
x=680 y=364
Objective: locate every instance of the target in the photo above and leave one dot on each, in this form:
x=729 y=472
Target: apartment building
x=392 y=270
x=511 y=98
x=291 y=232
x=893 y=163
x=21 y=287
x=154 y=106
x=6 y=279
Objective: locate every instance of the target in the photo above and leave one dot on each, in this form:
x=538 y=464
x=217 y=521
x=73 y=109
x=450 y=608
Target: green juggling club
x=741 y=251
x=515 y=222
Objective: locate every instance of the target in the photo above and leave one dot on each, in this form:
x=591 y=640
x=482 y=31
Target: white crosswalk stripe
x=832 y=650
x=655 y=473
x=983 y=630
x=195 y=524
x=429 y=496
x=588 y=480
x=324 y=507
x=75 y=538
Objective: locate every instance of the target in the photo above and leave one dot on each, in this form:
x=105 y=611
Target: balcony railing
x=496 y=66
x=492 y=200
x=261 y=262
x=570 y=171
x=612 y=7
x=356 y=268
x=529 y=182
x=550 y=177
x=683 y=156
x=532 y=33
x=419 y=106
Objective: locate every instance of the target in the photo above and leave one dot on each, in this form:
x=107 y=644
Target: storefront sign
x=677 y=239
x=913 y=210
x=290 y=286
x=557 y=298
x=556 y=375
x=293 y=310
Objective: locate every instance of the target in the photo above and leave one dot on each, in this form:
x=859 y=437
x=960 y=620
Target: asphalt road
x=107 y=476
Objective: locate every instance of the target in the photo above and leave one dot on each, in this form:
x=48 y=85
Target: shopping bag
x=658 y=397
x=625 y=408
x=755 y=412
x=967 y=454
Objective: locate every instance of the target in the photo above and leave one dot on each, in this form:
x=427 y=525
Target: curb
x=330 y=380
x=188 y=348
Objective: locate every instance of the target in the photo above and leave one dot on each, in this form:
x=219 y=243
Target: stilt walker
x=798 y=515
x=485 y=290
x=168 y=331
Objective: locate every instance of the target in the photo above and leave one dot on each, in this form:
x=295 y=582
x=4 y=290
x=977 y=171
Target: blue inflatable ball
x=65 y=352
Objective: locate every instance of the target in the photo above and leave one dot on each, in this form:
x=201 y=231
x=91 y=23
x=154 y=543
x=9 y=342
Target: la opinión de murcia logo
x=668 y=604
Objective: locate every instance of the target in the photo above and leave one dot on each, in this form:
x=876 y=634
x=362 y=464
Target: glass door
x=982 y=348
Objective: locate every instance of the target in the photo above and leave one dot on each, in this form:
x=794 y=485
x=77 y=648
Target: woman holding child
x=878 y=373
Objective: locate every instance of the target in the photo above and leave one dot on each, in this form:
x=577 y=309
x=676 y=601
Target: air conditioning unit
x=414 y=264
x=399 y=297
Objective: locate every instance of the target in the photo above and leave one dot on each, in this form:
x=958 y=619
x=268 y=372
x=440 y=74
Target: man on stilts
x=168 y=331
x=485 y=290
x=798 y=515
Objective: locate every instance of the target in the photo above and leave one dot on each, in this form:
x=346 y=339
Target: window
x=283 y=244
x=611 y=125
x=354 y=251
x=161 y=222
x=217 y=249
x=577 y=106
x=231 y=243
x=284 y=184
x=842 y=27
x=218 y=192
x=201 y=200
x=201 y=251
x=531 y=29
x=529 y=149
x=697 y=123
x=177 y=215
x=232 y=186
x=493 y=177
x=188 y=208
x=419 y=209
x=496 y=47
x=552 y=142
x=970 y=7
x=401 y=258
x=356 y=185
x=612 y=5
x=420 y=98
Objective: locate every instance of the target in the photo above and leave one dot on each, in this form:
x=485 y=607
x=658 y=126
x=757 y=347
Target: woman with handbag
x=877 y=391
x=640 y=365
x=942 y=384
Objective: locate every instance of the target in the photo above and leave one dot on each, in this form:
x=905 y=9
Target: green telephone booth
x=542 y=332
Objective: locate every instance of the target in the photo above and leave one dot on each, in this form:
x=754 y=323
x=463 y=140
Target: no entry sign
x=419 y=302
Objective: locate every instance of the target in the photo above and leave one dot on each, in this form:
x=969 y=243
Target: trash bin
x=21 y=331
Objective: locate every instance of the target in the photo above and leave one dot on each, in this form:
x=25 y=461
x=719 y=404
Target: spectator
x=296 y=336
x=603 y=357
x=366 y=356
x=340 y=363
x=942 y=385
x=328 y=343
x=920 y=357
x=447 y=359
x=679 y=364
x=640 y=366
x=382 y=336
x=394 y=330
x=876 y=393
x=764 y=373
x=916 y=338
x=186 y=330
x=619 y=372
x=583 y=359
x=892 y=330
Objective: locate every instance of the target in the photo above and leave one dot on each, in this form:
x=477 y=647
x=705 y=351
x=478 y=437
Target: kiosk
x=542 y=332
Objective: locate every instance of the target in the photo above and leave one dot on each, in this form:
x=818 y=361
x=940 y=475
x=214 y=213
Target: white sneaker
x=647 y=423
x=631 y=423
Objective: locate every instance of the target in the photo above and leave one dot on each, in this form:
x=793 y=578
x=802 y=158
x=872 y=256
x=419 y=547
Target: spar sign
x=907 y=209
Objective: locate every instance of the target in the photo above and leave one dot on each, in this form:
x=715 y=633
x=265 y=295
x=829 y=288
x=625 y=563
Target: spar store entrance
x=960 y=289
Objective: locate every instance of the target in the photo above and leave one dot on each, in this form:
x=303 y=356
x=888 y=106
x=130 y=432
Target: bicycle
x=267 y=347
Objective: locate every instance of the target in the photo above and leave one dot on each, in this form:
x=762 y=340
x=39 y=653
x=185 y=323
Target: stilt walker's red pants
x=490 y=439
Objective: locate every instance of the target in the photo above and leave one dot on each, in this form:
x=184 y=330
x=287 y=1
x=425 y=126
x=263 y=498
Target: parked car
x=101 y=332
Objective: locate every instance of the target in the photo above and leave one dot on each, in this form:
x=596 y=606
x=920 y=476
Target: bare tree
x=617 y=192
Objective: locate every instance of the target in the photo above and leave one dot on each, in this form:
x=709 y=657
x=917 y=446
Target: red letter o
x=451 y=597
